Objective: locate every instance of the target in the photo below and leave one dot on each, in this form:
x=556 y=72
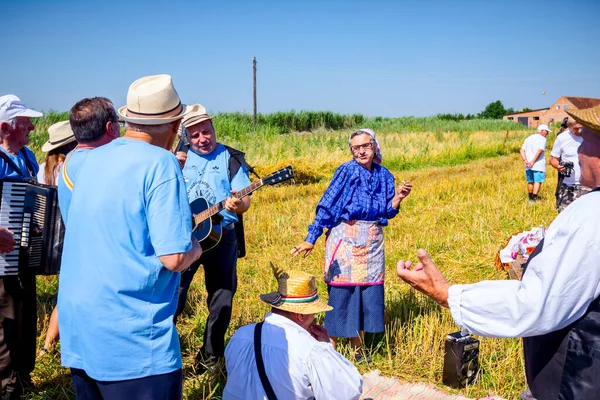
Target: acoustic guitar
x=206 y=220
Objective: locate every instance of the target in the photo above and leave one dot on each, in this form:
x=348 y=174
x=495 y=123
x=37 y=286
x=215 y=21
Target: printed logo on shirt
x=201 y=189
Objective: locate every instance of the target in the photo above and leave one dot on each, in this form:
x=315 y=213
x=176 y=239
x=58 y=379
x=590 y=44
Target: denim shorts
x=535 y=176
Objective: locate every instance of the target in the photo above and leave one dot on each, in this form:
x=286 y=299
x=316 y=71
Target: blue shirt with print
x=117 y=300
x=8 y=172
x=74 y=160
x=207 y=176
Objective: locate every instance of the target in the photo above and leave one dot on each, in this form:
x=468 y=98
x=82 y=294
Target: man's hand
x=319 y=333
x=528 y=164
x=425 y=277
x=181 y=157
x=7 y=241
x=302 y=247
x=234 y=204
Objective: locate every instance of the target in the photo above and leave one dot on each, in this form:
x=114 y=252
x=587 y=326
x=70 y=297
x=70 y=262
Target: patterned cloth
x=355 y=309
x=354 y=254
x=355 y=194
x=568 y=194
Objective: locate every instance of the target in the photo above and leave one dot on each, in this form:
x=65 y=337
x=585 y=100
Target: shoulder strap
x=260 y=364
x=65 y=175
x=28 y=163
x=14 y=166
x=239 y=157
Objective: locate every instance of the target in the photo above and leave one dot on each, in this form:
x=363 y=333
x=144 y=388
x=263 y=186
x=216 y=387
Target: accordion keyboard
x=11 y=218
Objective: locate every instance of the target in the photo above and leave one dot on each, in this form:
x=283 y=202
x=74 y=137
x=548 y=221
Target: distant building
x=555 y=113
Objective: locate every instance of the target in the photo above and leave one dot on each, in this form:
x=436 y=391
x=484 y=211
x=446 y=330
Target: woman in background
x=358 y=203
x=60 y=142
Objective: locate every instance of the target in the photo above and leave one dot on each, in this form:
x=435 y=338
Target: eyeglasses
x=358 y=147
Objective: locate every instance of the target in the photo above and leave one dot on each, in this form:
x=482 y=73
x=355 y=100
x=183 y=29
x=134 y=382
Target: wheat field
x=469 y=196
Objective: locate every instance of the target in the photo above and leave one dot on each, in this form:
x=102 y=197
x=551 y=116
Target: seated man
x=297 y=359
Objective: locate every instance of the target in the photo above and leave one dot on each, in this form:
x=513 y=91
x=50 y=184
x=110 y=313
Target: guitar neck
x=217 y=208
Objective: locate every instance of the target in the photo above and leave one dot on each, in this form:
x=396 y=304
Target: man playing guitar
x=206 y=172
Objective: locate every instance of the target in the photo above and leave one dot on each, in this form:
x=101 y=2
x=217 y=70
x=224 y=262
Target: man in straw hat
x=127 y=238
x=296 y=359
x=214 y=172
x=18 y=314
x=556 y=305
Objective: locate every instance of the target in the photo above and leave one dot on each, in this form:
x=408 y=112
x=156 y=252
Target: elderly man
x=127 y=237
x=287 y=356
x=18 y=314
x=532 y=154
x=564 y=153
x=214 y=172
x=556 y=306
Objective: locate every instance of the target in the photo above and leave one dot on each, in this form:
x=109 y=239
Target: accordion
x=31 y=212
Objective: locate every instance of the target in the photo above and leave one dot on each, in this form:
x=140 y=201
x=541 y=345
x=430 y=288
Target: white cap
x=543 y=127
x=11 y=107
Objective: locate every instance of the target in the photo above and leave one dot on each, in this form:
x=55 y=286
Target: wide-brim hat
x=153 y=100
x=59 y=134
x=296 y=292
x=588 y=117
x=196 y=114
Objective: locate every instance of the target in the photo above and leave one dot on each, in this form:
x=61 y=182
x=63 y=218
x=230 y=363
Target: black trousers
x=221 y=283
x=18 y=331
x=156 y=387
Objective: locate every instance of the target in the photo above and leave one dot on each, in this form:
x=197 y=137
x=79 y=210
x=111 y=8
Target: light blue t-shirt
x=208 y=176
x=8 y=172
x=74 y=161
x=116 y=300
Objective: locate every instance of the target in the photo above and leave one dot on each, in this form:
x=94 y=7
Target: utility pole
x=254 y=72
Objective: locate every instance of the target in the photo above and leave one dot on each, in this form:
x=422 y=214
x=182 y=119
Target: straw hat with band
x=588 y=117
x=296 y=292
x=196 y=114
x=153 y=100
x=60 y=134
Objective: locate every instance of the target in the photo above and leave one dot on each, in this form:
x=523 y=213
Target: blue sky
x=389 y=58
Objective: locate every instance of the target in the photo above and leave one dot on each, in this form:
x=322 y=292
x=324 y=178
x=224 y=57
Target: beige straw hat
x=588 y=117
x=153 y=100
x=296 y=292
x=59 y=134
x=196 y=114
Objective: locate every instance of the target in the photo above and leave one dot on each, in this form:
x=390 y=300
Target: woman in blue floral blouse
x=358 y=203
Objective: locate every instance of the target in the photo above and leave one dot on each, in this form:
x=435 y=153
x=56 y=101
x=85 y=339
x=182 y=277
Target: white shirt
x=559 y=285
x=531 y=145
x=41 y=175
x=297 y=365
x=565 y=148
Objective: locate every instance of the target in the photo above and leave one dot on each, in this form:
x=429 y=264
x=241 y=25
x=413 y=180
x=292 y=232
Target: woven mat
x=377 y=387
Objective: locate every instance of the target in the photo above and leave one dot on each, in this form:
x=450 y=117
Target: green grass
x=469 y=196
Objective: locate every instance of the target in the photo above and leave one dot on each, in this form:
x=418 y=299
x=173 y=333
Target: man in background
x=532 y=154
x=564 y=158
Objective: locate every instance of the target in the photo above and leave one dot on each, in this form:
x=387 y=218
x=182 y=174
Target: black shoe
x=206 y=363
x=360 y=357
